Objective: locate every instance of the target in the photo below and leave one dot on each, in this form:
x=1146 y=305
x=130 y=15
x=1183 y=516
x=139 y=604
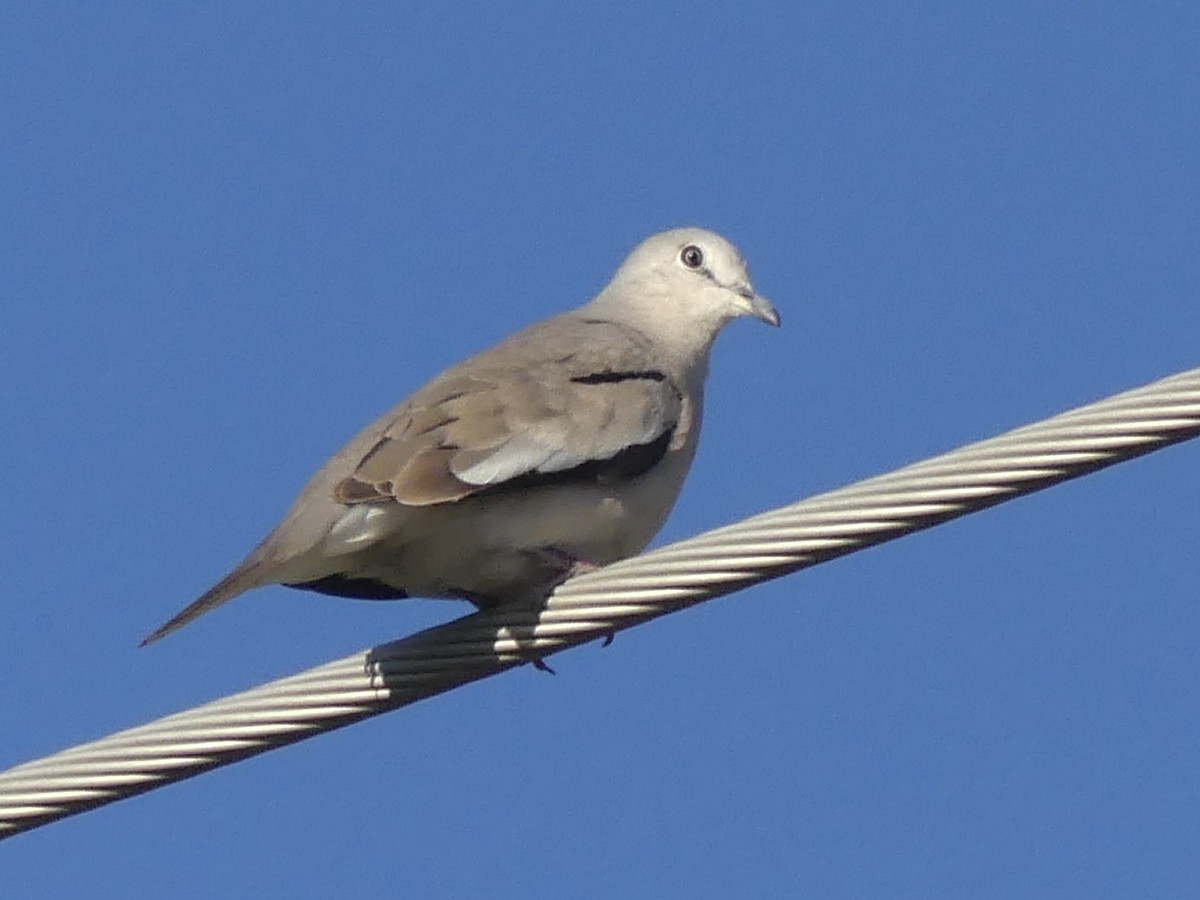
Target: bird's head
x=686 y=279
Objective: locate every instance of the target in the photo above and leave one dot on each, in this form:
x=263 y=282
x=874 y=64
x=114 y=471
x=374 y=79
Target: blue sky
x=234 y=234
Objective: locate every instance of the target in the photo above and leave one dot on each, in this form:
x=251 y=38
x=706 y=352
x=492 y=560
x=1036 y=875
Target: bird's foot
x=559 y=566
x=569 y=567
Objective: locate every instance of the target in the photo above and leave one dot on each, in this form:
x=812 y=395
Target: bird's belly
x=494 y=547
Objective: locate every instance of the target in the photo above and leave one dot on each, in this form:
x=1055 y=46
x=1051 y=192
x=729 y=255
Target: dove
x=561 y=449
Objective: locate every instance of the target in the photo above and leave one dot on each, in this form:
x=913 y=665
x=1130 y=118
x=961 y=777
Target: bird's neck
x=685 y=340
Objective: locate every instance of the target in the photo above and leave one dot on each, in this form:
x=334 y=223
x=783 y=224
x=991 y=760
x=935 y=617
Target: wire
x=598 y=604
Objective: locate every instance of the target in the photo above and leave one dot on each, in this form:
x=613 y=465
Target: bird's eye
x=692 y=256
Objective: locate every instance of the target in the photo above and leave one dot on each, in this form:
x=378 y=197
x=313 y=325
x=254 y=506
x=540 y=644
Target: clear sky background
x=234 y=234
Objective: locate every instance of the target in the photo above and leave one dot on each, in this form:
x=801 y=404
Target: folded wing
x=583 y=400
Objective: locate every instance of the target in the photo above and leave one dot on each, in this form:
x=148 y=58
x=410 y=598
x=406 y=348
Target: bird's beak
x=759 y=307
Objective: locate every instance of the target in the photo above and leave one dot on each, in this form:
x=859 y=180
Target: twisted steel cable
x=598 y=604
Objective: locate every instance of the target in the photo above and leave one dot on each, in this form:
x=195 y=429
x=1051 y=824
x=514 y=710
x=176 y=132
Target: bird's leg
x=562 y=566
x=569 y=567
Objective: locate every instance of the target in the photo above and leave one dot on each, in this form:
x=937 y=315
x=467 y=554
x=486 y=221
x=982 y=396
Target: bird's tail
x=246 y=576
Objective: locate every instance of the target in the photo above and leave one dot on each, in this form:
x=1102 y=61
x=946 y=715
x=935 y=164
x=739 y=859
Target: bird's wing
x=571 y=397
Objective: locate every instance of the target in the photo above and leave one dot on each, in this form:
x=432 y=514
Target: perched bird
x=560 y=449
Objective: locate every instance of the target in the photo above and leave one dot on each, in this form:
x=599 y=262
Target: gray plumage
x=561 y=448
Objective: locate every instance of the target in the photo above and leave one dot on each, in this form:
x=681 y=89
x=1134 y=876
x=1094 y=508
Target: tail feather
x=246 y=576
